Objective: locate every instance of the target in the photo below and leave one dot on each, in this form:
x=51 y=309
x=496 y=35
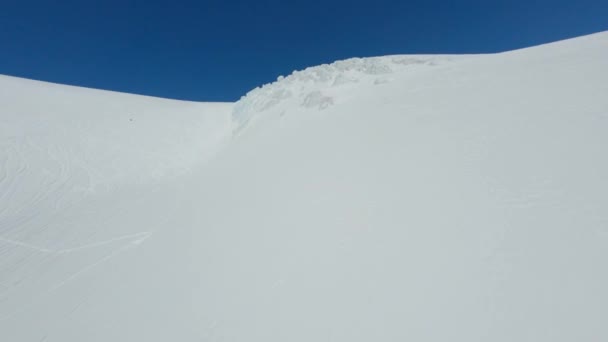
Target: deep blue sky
x=217 y=50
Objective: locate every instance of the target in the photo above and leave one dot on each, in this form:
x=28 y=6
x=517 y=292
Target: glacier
x=426 y=198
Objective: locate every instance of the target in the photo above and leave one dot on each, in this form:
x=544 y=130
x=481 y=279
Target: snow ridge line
x=306 y=87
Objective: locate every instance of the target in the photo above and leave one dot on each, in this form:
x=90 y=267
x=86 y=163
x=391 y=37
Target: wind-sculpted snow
x=317 y=87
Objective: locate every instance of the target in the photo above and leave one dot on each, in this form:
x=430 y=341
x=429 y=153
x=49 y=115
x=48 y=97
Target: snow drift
x=426 y=198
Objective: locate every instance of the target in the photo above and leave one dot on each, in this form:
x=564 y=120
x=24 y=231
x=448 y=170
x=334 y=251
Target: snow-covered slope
x=424 y=198
x=61 y=145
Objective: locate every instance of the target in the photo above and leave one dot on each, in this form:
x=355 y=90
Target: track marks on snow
x=136 y=238
x=128 y=242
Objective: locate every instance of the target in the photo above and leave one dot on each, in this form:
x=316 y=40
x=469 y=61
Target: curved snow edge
x=307 y=86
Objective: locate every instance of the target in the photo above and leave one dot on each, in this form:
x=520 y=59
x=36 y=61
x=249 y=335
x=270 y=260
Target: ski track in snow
x=131 y=244
x=136 y=240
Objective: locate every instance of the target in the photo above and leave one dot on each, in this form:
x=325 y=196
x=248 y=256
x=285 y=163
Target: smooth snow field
x=398 y=198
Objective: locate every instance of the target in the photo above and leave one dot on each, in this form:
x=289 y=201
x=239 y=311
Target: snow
x=425 y=198
x=306 y=88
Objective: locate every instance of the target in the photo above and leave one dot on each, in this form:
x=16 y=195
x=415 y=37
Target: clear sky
x=217 y=50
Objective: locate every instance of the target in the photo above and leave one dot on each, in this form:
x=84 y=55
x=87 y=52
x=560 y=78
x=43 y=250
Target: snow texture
x=308 y=88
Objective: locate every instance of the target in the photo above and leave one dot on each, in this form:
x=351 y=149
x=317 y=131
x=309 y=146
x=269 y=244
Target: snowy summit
x=397 y=198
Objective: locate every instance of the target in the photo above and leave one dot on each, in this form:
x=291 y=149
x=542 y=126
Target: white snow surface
x=399 y=198
x=317 y=86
